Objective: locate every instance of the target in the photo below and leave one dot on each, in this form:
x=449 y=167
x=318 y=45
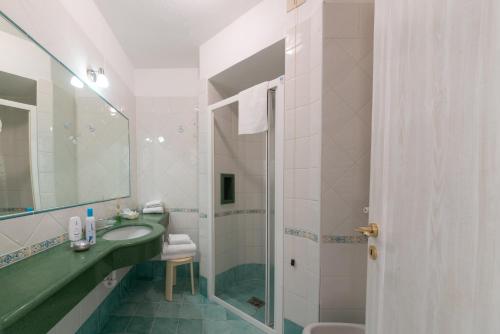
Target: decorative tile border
x=301 y=233
x=344 y=239
x=34 y=249
x=44 y=245
x=239 y=212
x=183 y=210
x=233 y=212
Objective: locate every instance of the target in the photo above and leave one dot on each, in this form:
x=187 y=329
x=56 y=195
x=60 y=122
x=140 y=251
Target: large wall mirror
x=61 y=144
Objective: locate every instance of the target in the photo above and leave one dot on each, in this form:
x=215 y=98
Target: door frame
x=33 y=147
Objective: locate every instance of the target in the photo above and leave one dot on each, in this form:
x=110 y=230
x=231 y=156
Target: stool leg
x=169 y=281
x=192 y=277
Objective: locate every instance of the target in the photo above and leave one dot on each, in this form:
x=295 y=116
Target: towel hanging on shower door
x=252 y=109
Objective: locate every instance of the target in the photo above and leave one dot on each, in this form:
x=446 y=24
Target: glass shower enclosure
x=243 y=214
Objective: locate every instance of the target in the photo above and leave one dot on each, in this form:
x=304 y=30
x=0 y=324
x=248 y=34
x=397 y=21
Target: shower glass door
x=243 y=215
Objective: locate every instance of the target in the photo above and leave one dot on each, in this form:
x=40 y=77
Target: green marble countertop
x=63 y=277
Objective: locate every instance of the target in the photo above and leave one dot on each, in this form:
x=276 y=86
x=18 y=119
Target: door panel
x=435 y=168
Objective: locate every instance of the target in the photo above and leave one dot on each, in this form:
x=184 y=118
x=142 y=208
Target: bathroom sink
x=127 y=233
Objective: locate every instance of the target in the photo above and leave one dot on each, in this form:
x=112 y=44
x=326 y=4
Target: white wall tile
x=346 y=135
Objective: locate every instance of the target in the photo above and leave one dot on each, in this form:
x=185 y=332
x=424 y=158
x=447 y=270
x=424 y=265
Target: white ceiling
x=167 y=33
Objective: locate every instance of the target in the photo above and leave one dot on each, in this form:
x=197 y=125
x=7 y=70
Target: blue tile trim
x=183 y=210
x=28 y=251
x=301 y=233
x=239 y=212
x=344 y=239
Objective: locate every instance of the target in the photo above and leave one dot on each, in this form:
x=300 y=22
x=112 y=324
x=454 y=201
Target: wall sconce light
x=98 y=77
x=112 y=112
x=76 y=82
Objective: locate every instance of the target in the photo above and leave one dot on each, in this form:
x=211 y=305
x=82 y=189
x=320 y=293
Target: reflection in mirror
x=15 y=173
x=61 y=144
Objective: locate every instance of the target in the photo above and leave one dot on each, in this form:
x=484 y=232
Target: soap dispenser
x=74 y=230
x=90 y=227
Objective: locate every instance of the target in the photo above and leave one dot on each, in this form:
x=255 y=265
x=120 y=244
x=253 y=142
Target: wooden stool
x=171 y=270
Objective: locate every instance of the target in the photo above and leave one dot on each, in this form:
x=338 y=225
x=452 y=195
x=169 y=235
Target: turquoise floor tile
x=91 y=325
x=143 y=309
x=260 y=314
x=190 y=326
x=196 y=299
x=216 y=327
x=238 y=326
x=140 y=325
x=231 y=316
x=252 y=330
x=291 y=327
x=214 y=312
x=146 y=309
x=125 y=309
x=154 y=295
x=164 y=326
x=116 y=324
x=168 y=310
x=191 y=311
x=178 y=297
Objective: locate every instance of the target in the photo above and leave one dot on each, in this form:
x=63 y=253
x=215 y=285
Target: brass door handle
x=370 y=231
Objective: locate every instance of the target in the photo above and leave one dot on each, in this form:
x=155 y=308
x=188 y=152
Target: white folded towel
x=177 y=256
x=179 y=239
x=252 y=109
x=158 y=209
x=153 y=204
x=171 y=250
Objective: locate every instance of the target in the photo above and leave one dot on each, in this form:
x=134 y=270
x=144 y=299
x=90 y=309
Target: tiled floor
x=146 y=311
x=239 y=294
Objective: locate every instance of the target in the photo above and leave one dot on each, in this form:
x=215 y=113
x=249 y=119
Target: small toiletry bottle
x=90 y=226
x=74 y=229
x=118 y=213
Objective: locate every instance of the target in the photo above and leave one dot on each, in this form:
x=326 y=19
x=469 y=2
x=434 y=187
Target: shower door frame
x=278 y=86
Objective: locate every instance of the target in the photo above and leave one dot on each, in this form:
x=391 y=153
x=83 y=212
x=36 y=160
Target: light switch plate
x=292 y=4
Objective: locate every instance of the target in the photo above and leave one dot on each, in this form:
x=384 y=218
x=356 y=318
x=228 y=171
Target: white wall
x=260 y=27
x=255 y=30
x=167 y=133
x=94 y=25
x=303 y=86
x=239 y=236
x=345 y=172
x=173 y=82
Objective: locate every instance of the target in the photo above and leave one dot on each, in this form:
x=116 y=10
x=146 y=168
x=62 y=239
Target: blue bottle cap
x=90 y=212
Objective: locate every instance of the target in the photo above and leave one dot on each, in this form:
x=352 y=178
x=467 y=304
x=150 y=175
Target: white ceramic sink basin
x=334 y=328
x=127 y=233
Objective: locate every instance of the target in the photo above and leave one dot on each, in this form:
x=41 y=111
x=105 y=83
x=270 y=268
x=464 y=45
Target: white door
x=435 y=175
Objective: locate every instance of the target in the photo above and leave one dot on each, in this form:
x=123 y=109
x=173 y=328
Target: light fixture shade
x=101 y=80
x=76 y=82
x=112 y=112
